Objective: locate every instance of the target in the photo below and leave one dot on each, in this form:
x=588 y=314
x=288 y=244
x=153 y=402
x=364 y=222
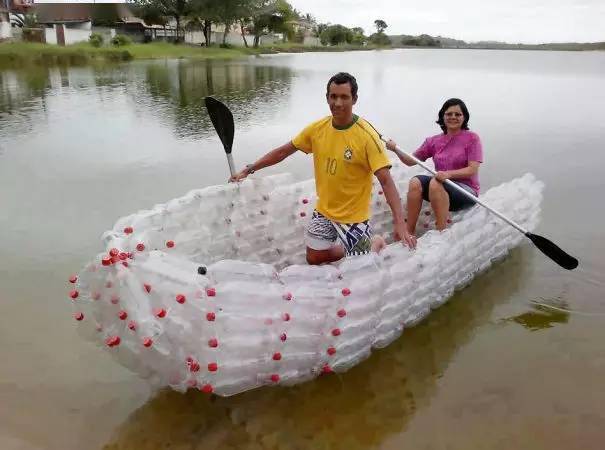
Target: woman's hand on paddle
x=401 y=234
x=391 y=145
x=442 y=176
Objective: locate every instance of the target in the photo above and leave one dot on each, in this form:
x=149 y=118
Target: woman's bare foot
x=378 y=243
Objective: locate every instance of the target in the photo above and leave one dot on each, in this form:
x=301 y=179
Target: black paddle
x=547 y=247
x=222 y=119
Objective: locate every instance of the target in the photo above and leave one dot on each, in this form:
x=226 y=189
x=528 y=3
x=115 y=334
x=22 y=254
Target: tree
x=358 y=36
x=272 y=16
x=205 y=12
x=424 y=40
x=319 y=28
x=284 y=19
x=228 y=12
x=176 y=9
x=380 y=38
x=335 y=35
x=380 y=25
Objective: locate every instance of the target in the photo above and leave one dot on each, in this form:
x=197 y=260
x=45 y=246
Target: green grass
x=165 y=50
x=22 y=54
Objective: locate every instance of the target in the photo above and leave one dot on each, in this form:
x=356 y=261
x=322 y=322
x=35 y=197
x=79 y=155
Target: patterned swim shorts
x=322 y=234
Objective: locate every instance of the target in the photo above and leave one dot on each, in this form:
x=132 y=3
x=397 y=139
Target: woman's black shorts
x=458 y=201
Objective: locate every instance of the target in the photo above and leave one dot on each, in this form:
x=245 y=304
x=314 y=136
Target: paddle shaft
x=462 y=191
x=231 y=164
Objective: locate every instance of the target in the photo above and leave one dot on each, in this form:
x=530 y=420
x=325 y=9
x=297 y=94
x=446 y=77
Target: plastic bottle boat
x=211 y=291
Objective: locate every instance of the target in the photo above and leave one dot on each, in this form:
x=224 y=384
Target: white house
x=5 y=24
x=64 y=23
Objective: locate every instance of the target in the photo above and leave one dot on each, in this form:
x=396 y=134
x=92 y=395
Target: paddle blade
x=222 y=119
x=553 y=252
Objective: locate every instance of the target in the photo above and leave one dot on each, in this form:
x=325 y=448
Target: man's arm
x=273 y=157
x=392 y=195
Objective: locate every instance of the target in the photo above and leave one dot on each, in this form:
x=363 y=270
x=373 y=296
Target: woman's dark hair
x=449 y=103
x=342 y=78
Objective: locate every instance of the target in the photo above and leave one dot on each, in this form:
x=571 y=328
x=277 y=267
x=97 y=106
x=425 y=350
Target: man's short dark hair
x=342 y=78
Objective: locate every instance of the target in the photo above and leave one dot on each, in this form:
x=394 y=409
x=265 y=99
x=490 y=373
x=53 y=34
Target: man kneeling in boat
x=346 y=152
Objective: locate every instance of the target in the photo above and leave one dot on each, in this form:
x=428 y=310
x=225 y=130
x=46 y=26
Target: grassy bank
x=22 y=54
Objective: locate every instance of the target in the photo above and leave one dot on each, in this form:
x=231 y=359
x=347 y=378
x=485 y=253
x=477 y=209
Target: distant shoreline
x=428 y=41
x=27 y=54
x=541 y=49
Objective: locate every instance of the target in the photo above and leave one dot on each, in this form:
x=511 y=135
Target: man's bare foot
x=378 y=243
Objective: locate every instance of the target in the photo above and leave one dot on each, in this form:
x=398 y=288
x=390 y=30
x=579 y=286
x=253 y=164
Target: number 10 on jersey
x=331 y=164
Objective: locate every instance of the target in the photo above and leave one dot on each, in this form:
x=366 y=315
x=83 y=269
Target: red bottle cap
x=113 y=341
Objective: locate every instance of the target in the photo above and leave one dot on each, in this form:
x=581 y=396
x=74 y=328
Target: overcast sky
x=527 y=21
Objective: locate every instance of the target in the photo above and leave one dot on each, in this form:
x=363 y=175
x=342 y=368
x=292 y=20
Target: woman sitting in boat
x=457 y=154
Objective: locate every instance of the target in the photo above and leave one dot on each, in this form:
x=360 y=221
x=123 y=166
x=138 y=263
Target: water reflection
x=170 y=91
x=178 y=88
x=542 y=316
x=22 y=94
x=355 y=410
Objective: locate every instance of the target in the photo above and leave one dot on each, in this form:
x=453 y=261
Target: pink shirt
x=452 y=152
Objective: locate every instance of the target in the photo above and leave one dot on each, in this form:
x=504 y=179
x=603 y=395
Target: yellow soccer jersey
x=345 y=160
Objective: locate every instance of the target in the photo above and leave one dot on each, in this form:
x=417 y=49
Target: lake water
x=516 y=360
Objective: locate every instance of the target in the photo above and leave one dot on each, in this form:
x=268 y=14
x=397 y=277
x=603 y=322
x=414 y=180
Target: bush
x=226 y=45
x=33 y=35
x=120 y=40
x=96 y=40
x=380 y=39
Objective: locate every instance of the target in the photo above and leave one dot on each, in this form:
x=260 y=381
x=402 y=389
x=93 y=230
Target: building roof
x=142 y=23
x=63 y=12
x=78 y=12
